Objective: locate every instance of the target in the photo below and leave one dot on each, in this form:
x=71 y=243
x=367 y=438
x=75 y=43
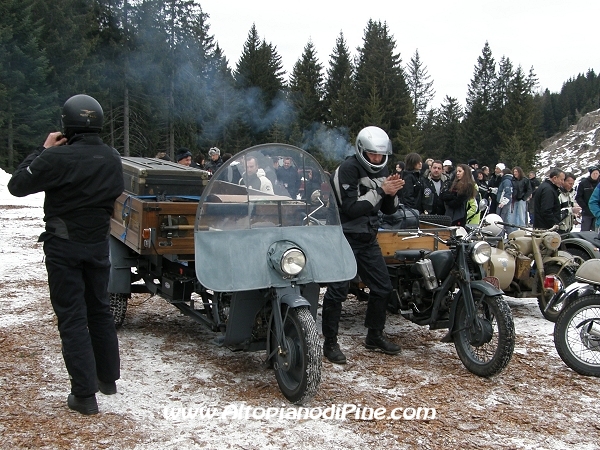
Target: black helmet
x=82 y=113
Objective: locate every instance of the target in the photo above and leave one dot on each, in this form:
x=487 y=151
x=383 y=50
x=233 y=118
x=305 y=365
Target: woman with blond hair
x=458 y=195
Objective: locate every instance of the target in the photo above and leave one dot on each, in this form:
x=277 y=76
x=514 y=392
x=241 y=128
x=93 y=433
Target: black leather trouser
x=373 y=272
x=78 y=280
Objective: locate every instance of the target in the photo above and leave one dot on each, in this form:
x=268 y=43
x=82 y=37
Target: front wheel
x=486 y=346
x=118 y=307
x=565 y=278
x=577 y=335
x=298 y=362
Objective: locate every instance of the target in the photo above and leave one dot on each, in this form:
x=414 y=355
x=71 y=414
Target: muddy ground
x=169 y=362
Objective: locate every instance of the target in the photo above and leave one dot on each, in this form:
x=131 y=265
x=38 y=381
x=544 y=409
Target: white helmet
x=490 y=224
x=373 y=140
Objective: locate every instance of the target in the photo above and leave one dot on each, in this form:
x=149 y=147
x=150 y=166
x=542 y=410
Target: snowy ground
x=169 y=363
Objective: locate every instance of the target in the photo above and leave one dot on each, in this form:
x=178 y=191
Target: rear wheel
x=577 y=335
x=486 y=347
x=118 y=307
x=565 y=278
x=298 y=362
x=579 y=252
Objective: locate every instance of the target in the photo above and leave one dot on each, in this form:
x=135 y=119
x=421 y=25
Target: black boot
x=331 y=351
x=84 y=405
x=377 y=340
x=107 y=388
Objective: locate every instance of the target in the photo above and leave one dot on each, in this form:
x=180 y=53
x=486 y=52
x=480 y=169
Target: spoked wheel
x=118 y=307
x=298 y=365
x=577 y=335
x=485 y=348
x=565 y=278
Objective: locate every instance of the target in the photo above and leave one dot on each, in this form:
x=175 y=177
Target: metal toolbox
x=157 y=177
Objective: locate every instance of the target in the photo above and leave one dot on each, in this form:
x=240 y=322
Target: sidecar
x=248 y=264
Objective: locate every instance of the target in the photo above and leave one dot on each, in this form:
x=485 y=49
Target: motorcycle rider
x=362 y=187
x=584 y=192
x=82 y=177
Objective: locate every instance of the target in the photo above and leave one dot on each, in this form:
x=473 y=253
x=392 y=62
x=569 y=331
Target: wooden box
x=160 y=178
x=172 y=223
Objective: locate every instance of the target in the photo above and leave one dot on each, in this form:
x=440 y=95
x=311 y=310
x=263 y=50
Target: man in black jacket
x=546 y=206
x=82 y=177
x=362 y=188
x=433 y=185
x=584 y=192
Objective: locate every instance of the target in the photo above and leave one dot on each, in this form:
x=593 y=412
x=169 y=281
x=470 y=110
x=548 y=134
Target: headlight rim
x=481 y=252
x=301 y=263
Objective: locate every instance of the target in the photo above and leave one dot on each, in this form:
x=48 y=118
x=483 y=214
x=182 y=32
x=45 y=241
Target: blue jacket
x=594 y=204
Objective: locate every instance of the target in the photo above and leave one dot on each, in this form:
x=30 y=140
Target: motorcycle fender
x=119 y=280
x=582 y=244
x=480 y=285
x=561 y=261
x=292 y=297
x=570 y=293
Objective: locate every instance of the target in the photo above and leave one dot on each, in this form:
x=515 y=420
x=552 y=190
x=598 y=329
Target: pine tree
x=449 y=121
x=479 y=124
x=518 y=143
x=306 y=88
x=28 y=106
x=339 y=96
x=259 y=80
x=420 y=88
x=381 y=90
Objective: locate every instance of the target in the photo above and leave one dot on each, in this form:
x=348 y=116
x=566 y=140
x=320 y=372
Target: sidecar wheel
x=565 y=278
x=576 y=335
x=300 y=379
x=118 y=307
x=485 y=353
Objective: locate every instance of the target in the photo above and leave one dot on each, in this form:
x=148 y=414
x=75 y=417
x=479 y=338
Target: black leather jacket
x=82 y=180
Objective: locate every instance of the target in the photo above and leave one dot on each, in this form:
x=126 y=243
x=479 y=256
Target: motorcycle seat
x=411 y=254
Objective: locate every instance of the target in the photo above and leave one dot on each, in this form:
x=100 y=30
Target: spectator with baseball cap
x=494 y=183
x=448 y=168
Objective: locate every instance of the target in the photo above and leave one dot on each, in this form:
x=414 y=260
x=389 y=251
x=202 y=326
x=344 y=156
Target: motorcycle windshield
x=262 y=195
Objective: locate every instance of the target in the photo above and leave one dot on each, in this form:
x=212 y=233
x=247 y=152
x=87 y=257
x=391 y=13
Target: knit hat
x=500 y=166
x=447 y=163
x=214 y=151
x=182 y=153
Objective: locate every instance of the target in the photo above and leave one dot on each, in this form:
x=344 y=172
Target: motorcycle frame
x=461 y=276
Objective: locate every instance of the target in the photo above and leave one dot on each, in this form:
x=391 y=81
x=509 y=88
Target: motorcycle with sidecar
x=577 y=329
x=528 y=262
x=244 y=262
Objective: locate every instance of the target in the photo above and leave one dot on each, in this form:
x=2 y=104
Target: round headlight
x=293 y=261
x=481 y=253
x=552 y=240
